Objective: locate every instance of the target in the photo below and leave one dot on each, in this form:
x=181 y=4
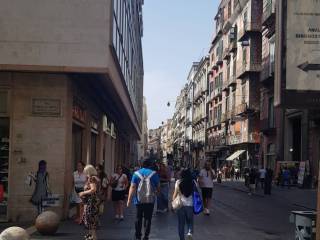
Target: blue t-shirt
x=145 y=172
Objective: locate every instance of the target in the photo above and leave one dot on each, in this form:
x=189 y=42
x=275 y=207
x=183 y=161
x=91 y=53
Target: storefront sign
x=53 y=200
x=303 y=45
x=78 y=113
x=297 y=79
x=46 y=107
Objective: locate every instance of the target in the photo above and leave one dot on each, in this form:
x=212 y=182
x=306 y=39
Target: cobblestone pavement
x=235 y=216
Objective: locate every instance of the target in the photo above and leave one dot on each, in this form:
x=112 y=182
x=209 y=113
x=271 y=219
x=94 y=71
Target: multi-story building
x=288 y=136
x=71 y=89
x=235 y=57
x=179 y=128
x=143 y=143
x=189 y=115
x=199 y=112
x=154 y=143
x=166 y=139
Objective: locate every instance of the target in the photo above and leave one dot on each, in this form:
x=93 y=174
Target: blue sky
x=176 y=33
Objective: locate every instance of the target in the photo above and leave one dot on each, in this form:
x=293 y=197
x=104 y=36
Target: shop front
x=4 y=154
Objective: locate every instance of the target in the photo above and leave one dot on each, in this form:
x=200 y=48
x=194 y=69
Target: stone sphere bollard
x=14 y=233
x=47 y=223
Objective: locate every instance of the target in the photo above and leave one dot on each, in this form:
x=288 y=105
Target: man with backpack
x=145 y=184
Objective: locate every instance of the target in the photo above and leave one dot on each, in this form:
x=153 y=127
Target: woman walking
x=79 y=180
x=119 y=184
x=184 y=189
x=206 y=177
x=90 y=200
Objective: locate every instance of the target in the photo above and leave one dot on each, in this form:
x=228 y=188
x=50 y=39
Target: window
x=233 y=101
x=229 y=9
x=244 y=55
x=271 y=116
x=271 y=54
x=244 y=88
x=3 y=102
x=227 y=104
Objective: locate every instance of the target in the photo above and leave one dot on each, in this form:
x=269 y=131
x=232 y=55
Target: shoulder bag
x=177 y=202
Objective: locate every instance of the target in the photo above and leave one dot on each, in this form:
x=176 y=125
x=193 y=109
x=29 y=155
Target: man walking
x=262 y=176
x=145 y=184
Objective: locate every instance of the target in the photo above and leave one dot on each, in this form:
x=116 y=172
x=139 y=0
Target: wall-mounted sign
x=303 y=45
x=79 y=113
x=297 y=79
x=46 y=107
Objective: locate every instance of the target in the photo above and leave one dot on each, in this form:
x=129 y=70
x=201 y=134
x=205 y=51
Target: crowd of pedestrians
x=145 y=187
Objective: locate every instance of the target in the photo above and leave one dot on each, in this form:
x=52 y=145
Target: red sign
x=79 y=114
x=1 y=193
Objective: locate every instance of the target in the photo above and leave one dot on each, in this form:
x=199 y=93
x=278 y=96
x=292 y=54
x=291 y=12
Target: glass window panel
x=3 y=102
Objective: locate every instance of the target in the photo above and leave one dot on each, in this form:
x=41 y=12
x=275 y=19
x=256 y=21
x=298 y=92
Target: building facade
x=235 y=57
x=71 y=86
x=200 y=91
x=143 y=143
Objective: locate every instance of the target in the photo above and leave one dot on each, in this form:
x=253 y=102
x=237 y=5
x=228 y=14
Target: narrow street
x=235 y=216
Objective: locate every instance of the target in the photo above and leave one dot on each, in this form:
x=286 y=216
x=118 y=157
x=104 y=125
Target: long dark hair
x=186 y=185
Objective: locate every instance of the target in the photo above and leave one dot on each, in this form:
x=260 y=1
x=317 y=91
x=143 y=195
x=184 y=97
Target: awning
x=235 y=155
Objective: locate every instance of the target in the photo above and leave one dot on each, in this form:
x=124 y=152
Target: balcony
x=217 y=93
x=219 y=141
x=232 y=81
x=234 y=139
x=243 y=109
x=224 y=117
x=219 y=60
x=267 y=127
x=210 y=124
x=217 y=121
x=248 y=28
x=226 y=54
x=231 y=114
x=267 y=73
x=269 y=13
x=225 y=86
x=248 y=68
x=233 y=45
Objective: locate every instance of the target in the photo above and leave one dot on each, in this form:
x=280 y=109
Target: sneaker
x=117 y=217
x=121 y=218
x=189 y=236
x=208 y=212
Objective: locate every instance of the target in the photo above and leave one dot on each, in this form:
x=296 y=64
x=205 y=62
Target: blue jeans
x=163 y=197
x=185 y=216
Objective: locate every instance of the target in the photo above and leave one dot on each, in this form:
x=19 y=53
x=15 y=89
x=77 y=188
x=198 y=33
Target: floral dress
x=91 y=209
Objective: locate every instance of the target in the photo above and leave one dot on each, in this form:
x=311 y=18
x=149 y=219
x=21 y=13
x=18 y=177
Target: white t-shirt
x=121 y=182
x=79 y=179
x=186 y=201
x=262 y=173
x=206 y=180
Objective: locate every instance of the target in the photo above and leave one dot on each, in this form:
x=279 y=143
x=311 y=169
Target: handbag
x=177 y=202
x=88 y=237
x=115 y=183
x=197 y=201
x=79 y=189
